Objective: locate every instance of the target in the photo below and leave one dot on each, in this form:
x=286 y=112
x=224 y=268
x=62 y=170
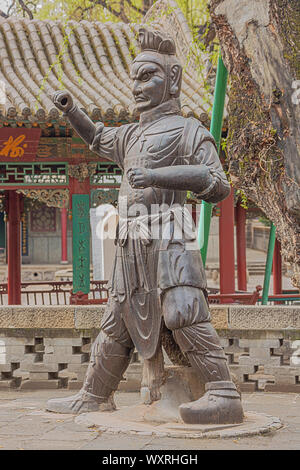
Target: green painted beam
x=269 y=262
x=216 y=131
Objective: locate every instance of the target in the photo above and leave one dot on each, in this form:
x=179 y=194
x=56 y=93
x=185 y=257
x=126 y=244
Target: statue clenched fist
x=83 y=125
x=63 y=100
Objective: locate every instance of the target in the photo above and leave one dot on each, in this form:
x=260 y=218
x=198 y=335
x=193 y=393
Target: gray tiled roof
x=94 y=61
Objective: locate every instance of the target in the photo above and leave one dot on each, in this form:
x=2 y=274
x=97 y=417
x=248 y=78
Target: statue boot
x=221 y=404
x=109 y=360
x=82 y=402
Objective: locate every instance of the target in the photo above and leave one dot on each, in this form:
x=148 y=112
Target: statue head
x=156 y=72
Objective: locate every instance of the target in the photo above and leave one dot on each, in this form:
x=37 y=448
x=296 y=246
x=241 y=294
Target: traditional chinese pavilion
x=41 y=157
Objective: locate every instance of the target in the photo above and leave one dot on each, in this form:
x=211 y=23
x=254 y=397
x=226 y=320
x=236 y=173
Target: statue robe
x=146 y=264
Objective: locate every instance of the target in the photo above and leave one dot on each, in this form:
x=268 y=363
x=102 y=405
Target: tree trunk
x=260 y=42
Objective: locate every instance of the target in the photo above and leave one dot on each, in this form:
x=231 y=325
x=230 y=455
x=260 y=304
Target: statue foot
x=79 y=403
x=221 y=404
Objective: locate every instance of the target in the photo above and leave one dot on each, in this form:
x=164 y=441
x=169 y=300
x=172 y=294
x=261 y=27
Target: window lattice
x=40 y=174
x=107 y=174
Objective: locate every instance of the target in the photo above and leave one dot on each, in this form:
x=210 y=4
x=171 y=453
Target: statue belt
x=175 y=223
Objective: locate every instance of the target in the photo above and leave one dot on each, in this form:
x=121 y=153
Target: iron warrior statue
x=158 y=278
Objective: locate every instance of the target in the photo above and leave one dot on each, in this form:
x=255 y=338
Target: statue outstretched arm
x=204 y=176
x=178 y=177
x=104 y=141
x=82 y=124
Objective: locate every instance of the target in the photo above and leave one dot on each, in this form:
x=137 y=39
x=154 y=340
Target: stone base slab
x=134 y=420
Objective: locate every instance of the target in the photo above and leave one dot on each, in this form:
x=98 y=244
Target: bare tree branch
x=104 y=4
x=137 y=9
x=11 y=6
x=122 y=12
x=26 y=9
x=119 y=14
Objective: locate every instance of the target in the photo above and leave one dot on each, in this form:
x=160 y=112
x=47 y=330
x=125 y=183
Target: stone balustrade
x=48 y=347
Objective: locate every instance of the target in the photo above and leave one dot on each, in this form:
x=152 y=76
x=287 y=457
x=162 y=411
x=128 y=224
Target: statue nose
x=136 y=89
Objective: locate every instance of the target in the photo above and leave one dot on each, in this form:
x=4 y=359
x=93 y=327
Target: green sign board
x=81 y=243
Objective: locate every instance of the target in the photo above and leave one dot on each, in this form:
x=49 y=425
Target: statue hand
x=204 y=176
x=63 y=100
x=140 y=177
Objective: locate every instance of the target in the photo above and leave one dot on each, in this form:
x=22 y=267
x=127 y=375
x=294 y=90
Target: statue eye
x=146 y=76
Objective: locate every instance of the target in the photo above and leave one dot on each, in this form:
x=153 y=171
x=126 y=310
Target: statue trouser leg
x=110 y=356
x=186 y=313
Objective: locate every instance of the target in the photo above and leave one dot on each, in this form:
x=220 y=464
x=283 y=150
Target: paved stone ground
x=24 y=425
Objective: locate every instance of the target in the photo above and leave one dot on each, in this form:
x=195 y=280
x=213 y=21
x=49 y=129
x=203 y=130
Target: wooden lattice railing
x=59 y=293
x=53 y=293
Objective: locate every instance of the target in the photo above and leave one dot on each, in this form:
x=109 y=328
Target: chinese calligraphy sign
x=19 y=144
x=81 y=243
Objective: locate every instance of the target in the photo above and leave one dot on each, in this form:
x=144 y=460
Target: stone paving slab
x=27 y=410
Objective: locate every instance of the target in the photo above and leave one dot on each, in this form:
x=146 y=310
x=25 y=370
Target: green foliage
x=224 y=143
x=89 y=10
x=265 y=221
x=197 y=14
x=243 y=198
x=195 y=11
x=65 y=10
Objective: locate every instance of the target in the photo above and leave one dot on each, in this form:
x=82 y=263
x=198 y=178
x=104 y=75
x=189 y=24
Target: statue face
x=149 y=81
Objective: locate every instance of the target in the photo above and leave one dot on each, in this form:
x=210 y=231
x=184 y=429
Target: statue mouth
x=140 y=99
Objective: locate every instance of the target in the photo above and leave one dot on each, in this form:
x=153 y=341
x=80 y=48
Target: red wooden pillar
x=277 y=269
x=226 y=246
x=14 y=248
x=64 y=239
x=241 y=247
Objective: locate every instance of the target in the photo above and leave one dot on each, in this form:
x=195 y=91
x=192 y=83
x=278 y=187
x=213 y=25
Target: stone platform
x=140 y=420
x=162 y=419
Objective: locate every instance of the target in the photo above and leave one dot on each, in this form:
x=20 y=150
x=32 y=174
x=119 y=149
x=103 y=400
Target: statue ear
x=175 y=80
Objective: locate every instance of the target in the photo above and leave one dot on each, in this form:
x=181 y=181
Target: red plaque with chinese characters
x=19 y=145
